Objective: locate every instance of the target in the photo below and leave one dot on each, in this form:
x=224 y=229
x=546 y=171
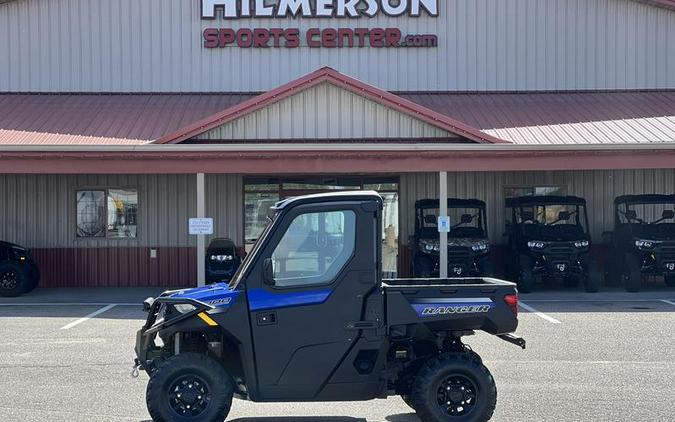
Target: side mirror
x=268 y=272
x=631 y=215
x=668 y=214
x=430 y=219
x=563 y=216
x=466 y=218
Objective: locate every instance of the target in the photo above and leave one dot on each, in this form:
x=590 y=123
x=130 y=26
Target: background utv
x=468 y=243
x=548 y=239
x=18 y=272
x=643 y=241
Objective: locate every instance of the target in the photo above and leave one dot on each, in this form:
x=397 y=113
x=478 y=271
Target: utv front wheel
x=526 y=276
x=423 y=267
x=189 y=387
x=633 y=274
x=454 y=387
x=670 y=280
x=13 y=279
x=593 y=279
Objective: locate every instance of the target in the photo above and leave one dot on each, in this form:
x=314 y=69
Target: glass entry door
x=261 y=193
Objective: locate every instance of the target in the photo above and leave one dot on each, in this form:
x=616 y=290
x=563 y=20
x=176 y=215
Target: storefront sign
x=201 y=226
x=330 y=37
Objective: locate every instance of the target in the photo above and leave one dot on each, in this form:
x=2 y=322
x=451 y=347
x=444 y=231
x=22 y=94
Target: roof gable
x=242 y=121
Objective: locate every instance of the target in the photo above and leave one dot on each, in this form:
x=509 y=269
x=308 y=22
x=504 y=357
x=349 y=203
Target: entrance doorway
x=261 y=193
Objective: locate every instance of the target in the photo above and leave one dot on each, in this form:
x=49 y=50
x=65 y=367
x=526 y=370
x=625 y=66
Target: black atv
x=18 y=272
x=222 y=260
x=548 y=238
x=643 y=241
x=468 y=243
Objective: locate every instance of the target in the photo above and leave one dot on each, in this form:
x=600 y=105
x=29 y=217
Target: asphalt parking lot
x=66 y=355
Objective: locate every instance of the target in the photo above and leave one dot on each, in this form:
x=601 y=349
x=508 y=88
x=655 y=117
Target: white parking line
x=669 y=302
x=91 y=315
x=538 y=313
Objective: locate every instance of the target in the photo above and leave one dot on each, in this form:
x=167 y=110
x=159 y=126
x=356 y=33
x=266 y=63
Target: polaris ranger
x=548 y=239
x=468 y=243
x=643 y=241
x=308 y=318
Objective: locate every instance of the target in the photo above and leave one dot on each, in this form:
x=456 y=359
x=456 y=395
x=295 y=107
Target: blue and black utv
x=307 y=317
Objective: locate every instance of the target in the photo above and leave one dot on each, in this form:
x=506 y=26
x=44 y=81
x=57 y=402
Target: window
x=110 y=213
x=315 y=247
x=516 y=191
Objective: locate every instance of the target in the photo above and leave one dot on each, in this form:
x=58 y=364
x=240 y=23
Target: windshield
x=247 y=261
x=652 y=213
x=464 y=222
x=552 y=215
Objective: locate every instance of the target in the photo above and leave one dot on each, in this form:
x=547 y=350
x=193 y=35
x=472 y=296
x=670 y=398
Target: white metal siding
x=38 y=211
x=598 y=187
x=325 y=112
x=484 y=45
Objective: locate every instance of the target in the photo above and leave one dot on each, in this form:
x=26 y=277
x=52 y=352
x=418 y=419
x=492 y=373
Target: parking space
x=610 y=356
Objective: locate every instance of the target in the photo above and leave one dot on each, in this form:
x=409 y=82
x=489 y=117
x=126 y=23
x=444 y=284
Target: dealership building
x=122 y=119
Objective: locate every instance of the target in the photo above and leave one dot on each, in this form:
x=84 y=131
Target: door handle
x=266 y=318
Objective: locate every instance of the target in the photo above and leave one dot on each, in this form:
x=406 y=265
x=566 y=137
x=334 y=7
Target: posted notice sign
x=443 y=224
x=201 y=226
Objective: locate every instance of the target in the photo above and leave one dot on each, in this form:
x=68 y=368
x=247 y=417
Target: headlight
x=645 y=244
x=581 y=244
x=480 y=247
x=536 y=244
x=184 y=308
x=430 y=245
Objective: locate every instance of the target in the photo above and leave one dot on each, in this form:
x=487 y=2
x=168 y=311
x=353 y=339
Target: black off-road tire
x=451 y=369
x=633 y=274
x=190 y=366
x=423 y=267
x=13 y=279
x=408 y=401
x=486 y=267
x=669 y=280
x=526 y=277
x=593 y=279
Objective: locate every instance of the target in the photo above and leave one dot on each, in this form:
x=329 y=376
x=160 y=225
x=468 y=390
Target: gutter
x=350 y=147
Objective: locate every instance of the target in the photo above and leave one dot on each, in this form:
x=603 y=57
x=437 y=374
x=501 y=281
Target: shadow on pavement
x=403 y=417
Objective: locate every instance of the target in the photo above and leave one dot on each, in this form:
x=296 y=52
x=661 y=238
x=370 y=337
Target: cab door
x=308 y=286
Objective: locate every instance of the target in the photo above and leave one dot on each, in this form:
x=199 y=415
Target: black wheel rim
x=9 y=280
x=189 y=396
x=457 y=395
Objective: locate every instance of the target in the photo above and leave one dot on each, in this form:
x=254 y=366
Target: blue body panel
x=261 y=299
x=218 y=294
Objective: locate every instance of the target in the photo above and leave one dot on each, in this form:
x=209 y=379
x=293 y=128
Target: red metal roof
x=327 y=74
x=102 y=119
x=563 y=118
x=522 y=118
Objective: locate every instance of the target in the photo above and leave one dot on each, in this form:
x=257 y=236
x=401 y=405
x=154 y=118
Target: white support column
x=443 y=197
x=201 y=240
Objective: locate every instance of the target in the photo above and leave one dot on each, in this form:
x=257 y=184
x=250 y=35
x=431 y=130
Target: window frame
x=297 y=212
x=106 y=190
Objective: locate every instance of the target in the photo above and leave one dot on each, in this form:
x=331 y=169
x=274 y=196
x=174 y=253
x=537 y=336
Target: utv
x=308 y=318
x=18 y=272
x=468 y=244
x=548 y=238
x=222 y=260
x=643 y=241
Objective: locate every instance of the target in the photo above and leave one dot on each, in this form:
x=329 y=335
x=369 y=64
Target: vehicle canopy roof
x=358 y=195
x=522 y=201
x=222 y=243
x=452 y=203
x=644 y=199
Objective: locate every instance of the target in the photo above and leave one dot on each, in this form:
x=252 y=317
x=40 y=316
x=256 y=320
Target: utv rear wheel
x=633 y=274
x=526 y=275
x=454 y=387
x=189 y=387
x=13 y=279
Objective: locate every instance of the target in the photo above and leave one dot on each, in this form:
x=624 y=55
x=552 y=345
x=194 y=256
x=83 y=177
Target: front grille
x=565 y=250
x=666 y=251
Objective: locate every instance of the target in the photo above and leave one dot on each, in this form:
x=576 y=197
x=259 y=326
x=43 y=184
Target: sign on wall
x=330 y=37
x=201 y=226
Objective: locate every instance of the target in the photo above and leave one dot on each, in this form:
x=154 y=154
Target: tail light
x=512 y=302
